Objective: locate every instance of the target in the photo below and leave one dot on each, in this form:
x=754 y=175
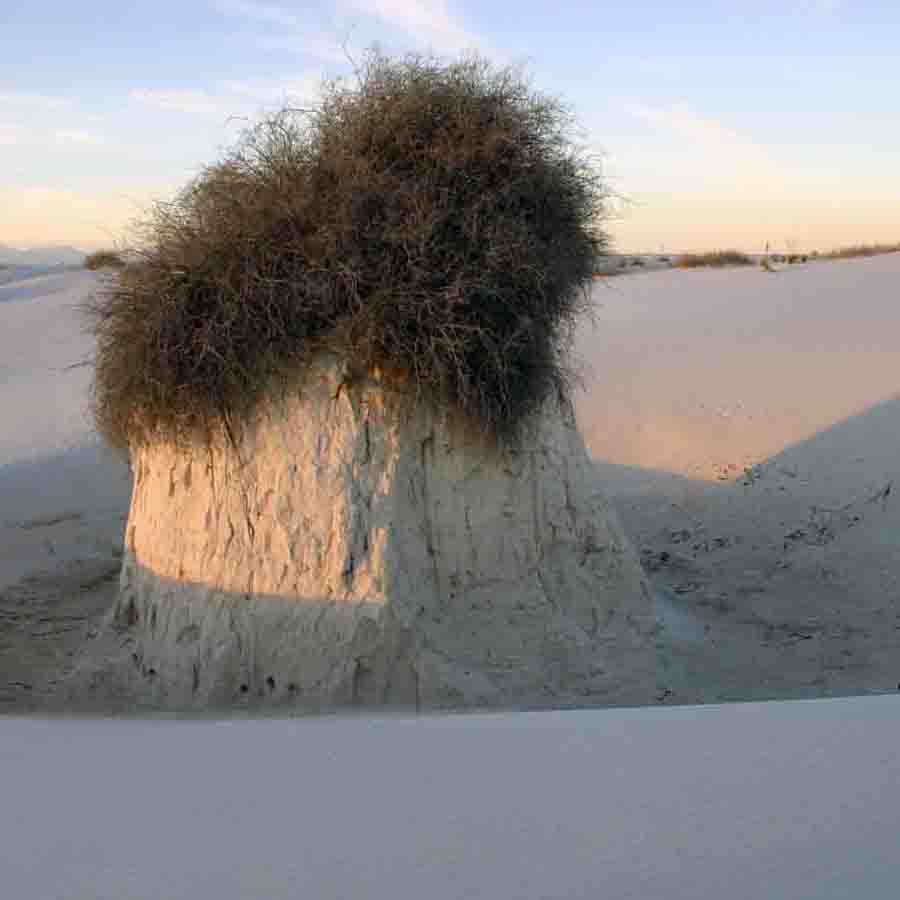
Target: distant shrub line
x=104 y=259
x=433 y=220
x=861 y=250
x=716 y=258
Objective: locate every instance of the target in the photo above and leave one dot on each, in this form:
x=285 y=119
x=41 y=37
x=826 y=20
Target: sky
x=715 y=124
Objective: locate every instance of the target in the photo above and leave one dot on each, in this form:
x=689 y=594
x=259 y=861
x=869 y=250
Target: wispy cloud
x=713 y=138
x=293 y=33
x=226 y=100
x=682 y=121
x=79 y=137
x=430 y=21
x=824 y=6
x=184 y=100
x=12 y=135
x=301 y=44
x=260 y=12
x=668 y=69
x=32 y=100
x=303 y=89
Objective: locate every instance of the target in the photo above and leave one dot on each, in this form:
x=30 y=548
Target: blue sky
x=718 y=123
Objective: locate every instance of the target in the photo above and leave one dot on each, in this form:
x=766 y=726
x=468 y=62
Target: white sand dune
x=786 y=801
x=62 y=494
x=696 y=369
x=748 y=427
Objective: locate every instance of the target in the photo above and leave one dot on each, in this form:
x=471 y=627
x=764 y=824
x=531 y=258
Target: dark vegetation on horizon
x=716 y=258
x=861 y=250
x=104 y=259
x=431 y=220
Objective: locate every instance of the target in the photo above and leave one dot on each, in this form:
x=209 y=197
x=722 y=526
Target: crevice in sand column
x=548 y=595
x=427 y=524
x=239 y=466
x=536 y=511
x=570 y=506
x=472 y=543
x=348 y=570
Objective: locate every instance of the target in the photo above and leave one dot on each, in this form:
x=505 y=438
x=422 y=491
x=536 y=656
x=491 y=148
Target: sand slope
x=63 y=497
x=748 y=428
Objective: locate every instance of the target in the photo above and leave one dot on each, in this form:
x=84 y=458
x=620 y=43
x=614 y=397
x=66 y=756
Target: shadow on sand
x=782 y=583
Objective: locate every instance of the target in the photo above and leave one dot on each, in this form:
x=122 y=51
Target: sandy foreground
x=786 y=801
x=745 y=424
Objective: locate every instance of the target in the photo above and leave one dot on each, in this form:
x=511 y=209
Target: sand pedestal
x=351 y=550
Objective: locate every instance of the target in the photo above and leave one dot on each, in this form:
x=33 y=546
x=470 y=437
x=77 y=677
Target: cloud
x=428 y=20
x=261 y=12
x=303 y=89
x=718 y=145
x=292 y=33
x=302 y=45
x=667 y=69
x=76 y=136
x=12 y=135
x=682 y=121
x=822 y=6
x=184 y=100
x=32 y=100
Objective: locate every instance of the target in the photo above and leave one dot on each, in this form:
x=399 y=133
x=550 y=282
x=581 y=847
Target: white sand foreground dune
x=782 y=801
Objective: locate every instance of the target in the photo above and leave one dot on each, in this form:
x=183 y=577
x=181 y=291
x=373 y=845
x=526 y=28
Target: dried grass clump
x=861 y=250
x=717 y=258
x=104 y=259
x=431 y=219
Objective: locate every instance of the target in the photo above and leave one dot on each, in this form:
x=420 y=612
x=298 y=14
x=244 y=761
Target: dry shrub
x=104 y=259
x=433 y=219
x=861 y=250
x=717 y=258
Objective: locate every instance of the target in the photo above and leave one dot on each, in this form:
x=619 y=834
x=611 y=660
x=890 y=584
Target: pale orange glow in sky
x=723 y=124
x=41 y=216
x=648 y=222
x=652 y=223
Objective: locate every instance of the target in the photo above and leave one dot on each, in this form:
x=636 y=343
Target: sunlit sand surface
x=695 y=371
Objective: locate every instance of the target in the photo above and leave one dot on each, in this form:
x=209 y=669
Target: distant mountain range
x=41 y=256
